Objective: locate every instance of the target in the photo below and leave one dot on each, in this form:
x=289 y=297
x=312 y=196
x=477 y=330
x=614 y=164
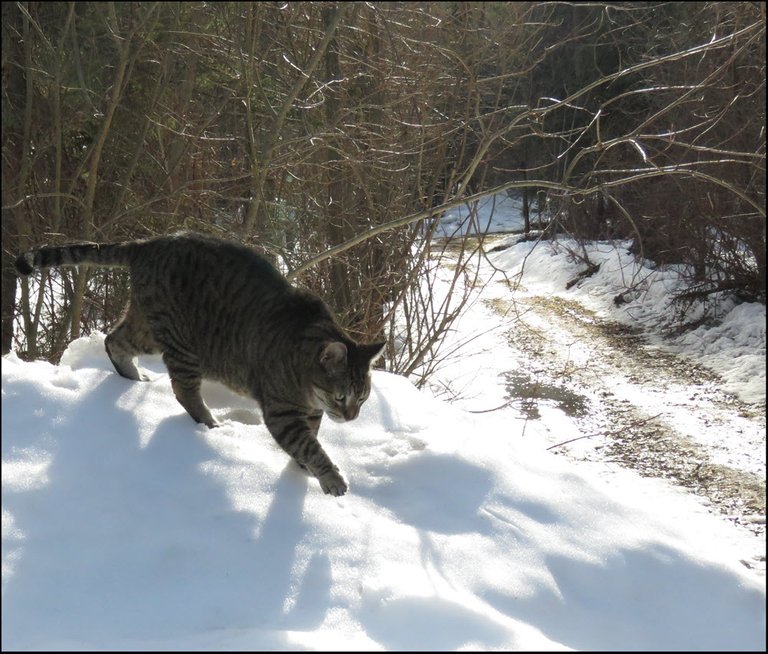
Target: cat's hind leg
x=185 y=381
x=131 y=336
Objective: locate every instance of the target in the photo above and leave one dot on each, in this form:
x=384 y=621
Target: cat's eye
x=339 y=397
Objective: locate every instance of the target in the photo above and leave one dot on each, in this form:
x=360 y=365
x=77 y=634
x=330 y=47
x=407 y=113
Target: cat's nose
x=350 y=413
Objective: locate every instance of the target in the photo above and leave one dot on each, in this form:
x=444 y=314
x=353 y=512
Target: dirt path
x=648 y=409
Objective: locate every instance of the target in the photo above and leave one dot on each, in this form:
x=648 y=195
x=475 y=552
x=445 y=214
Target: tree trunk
x=526 y=207
x=87 y=228
x=8 y=302
x=337 y=188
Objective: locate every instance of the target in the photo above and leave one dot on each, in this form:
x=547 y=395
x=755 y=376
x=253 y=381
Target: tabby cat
x=219 y=310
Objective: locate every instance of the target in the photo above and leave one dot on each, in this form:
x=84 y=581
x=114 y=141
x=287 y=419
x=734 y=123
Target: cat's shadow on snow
x=414 y=489
x=143 y=532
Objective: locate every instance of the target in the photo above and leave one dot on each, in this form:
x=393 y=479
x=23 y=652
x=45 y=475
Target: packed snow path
x=560 y=366
x=653 y=411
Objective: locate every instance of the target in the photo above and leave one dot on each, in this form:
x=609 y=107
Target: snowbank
x=732 y=344
x=126 y=526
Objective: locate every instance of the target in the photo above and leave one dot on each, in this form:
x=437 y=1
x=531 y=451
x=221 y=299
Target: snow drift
x=126 y=526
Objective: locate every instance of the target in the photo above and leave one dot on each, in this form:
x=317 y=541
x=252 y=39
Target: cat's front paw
x=333 y=483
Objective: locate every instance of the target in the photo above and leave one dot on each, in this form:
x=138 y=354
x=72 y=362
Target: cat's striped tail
x=106 y=254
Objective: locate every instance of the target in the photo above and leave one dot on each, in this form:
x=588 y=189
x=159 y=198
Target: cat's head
x=343 y=380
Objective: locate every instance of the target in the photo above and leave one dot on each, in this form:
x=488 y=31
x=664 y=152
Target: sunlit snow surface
x=127 y=526
x=734 y=347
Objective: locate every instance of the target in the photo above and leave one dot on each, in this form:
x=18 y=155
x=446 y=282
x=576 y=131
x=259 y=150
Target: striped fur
x=218 y=310
x=114 y=254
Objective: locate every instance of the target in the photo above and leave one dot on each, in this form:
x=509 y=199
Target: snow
x=731 y=344
x=126 y=526
x=733 y=347
x=490 y=215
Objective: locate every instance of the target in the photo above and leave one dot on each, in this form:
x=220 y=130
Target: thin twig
x=637 y=423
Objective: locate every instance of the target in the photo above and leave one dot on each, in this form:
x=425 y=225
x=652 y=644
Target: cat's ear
x=333 y=357
x=369 y=353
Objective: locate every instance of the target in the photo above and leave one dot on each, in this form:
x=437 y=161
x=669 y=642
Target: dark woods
x=295 y=127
